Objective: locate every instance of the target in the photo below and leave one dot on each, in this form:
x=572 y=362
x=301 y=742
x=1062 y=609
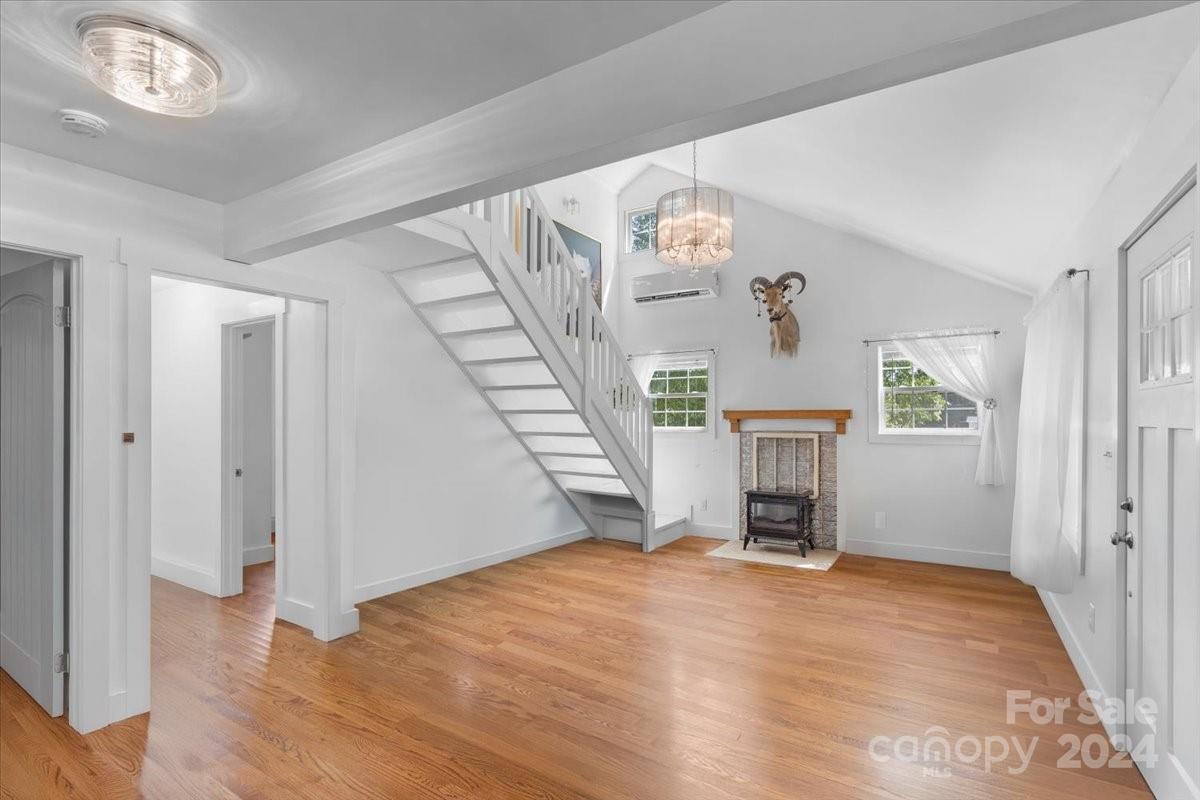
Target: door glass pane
x=1183 y=277
x=1148 y=300
x=1154 y=370
x=1168 y=288
x=1183 y=344
x=1145 y=357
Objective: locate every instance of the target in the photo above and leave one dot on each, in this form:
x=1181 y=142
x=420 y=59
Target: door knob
x=237 y=473
x=1127 y=505
x=1126 y=539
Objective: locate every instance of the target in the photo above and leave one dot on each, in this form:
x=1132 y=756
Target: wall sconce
x=571 y=205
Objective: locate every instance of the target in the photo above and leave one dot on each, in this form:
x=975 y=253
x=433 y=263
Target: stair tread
x=538 y=411
x=461 y=298
x=513 y=387
x=445 y=262
x=501 y=360
x=607 y=491
x=481 y=331
x=572 y=434
x=583 y=473
x=559 y=454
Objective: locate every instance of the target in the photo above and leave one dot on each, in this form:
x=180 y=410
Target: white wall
x=1164 y=153
x=856 y=289
x=186 y=432
x=427 y=437
x=596 y=217
x=442 y=487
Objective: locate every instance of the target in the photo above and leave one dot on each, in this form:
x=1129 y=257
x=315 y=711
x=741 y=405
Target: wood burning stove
x=796 y=528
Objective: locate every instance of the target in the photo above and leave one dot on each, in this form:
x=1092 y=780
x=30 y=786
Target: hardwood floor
x=589 y=671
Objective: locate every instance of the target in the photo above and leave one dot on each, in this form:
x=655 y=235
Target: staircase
x=513 y=311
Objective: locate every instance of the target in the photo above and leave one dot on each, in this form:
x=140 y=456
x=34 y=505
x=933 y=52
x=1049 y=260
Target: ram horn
x=787 y=277
x=758 y=286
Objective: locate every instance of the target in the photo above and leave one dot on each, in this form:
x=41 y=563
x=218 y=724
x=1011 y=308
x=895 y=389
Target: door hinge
x=62 y=316
x=62 y=663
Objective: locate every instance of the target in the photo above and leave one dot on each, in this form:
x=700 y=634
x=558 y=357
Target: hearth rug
x=780 y=555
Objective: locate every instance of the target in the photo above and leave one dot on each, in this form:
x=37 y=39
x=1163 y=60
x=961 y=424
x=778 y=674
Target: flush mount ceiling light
x=149 y=68
x=695 y=225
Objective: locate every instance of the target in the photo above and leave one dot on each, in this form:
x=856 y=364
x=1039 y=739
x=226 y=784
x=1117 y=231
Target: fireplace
x=792 y=461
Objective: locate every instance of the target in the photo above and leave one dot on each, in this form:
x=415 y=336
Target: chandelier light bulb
x=148 y=68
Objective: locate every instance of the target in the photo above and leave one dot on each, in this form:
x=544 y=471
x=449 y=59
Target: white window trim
x=691 y=357
x=875 y=432
x=627 y=236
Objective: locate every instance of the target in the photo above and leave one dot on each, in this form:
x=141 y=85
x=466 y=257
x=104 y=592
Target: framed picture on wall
x=586 y=252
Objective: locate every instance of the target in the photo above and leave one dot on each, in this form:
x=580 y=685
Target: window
x=641 y=230
x=1166 y=319
x=912 y=402
x=679 y=396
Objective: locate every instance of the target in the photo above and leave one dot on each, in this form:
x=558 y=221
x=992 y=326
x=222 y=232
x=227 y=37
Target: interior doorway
x=249 y=421
x=216 y=428
x=34 y=472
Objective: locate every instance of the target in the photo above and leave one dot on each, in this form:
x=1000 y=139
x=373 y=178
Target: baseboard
x=930 y=555
x=709 y=531
x=258 y=555
x=370 y=591
x=1079 y=660
x=295 y=612
x=189 y=575
x=345 y=624
x=116 y=706
x=660 y=538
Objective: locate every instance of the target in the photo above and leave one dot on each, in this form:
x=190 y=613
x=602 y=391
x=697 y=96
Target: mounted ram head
x=779 y=296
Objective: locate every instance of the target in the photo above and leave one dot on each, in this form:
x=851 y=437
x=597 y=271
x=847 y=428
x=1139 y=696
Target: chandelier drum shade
x=148 y=68
x=695 y=225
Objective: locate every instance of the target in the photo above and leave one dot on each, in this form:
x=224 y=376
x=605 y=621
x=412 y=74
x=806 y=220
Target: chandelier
x=695 y=225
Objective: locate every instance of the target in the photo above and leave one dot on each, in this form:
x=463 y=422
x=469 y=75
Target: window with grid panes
x=679 y=396
x=641 y=228
x=912 y=401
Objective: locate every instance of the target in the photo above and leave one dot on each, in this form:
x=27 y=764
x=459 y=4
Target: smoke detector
x=82 y=123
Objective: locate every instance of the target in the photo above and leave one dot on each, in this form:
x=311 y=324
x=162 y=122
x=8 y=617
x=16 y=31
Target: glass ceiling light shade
x=695 y=225
x=149 y=68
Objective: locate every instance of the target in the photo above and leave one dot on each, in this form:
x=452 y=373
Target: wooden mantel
x=837 y=416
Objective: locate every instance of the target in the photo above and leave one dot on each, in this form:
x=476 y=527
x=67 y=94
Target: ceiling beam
x=735 y=65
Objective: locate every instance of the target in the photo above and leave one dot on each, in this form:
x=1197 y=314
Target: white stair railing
x=609 y=383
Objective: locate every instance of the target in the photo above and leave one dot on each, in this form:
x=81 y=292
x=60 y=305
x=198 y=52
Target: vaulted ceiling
x=982 y=169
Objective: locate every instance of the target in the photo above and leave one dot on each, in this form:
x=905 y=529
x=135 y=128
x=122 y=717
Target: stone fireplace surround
x=785 y=461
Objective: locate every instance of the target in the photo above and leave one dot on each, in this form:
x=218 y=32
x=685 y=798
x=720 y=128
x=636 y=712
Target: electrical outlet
x=880 y=520
x=1092 y=617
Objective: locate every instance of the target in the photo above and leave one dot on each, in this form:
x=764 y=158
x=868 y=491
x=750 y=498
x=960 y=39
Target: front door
x=1162 y=537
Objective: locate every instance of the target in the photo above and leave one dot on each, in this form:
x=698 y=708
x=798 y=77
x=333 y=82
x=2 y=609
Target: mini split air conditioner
x=663 y=287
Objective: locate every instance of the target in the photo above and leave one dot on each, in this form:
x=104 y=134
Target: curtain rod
x=929 y=336
x=712 y=350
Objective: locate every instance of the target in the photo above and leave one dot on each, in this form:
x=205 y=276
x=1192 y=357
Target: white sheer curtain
x=965 y=363
x=643 y=368
x=1047 y=536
